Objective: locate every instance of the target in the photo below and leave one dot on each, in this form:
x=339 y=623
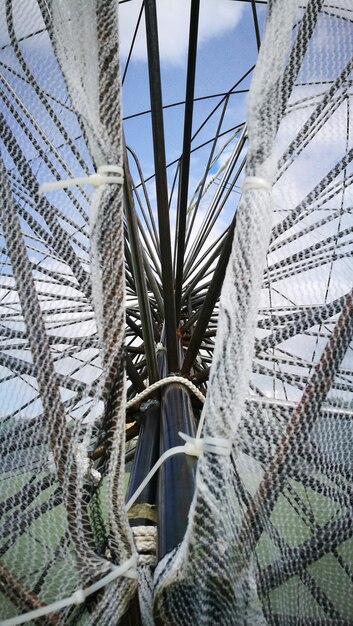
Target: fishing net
x=269 y=534
x=64 y=526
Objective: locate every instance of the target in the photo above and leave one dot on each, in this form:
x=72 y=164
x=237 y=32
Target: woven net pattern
x=63 y=522
x=269 y=536
x=269 y=539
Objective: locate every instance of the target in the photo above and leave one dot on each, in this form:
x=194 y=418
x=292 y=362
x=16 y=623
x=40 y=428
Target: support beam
x=185 y=159
x=177 y=475
x=161 y=182
x=209 y=302
x=139 y=276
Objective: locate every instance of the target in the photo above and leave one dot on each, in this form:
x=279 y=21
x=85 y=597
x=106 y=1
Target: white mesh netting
x=269 y=535
x=64 y=524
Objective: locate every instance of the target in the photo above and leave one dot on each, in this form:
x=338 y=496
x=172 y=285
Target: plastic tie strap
x=127 y=569
x=253 y=182
x=111 y=174
x=196 y=446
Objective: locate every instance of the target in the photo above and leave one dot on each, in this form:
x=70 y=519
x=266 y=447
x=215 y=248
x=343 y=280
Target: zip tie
x=127 y=569
x=166 y=455
x=194 y=446
x=100 y=177
x=252 y=182
x=165 y=381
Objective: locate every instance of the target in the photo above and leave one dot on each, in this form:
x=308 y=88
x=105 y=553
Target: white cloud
x=216 y=17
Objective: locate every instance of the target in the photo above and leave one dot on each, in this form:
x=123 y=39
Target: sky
x=227 y=48
x=226 y=51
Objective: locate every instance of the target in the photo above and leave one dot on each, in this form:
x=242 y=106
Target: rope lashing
x=161 y=383
x=146 y=544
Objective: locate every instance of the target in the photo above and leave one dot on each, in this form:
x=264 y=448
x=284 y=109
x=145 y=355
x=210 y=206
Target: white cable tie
x=128 y=569
x=166 y=455
x=217 y=445
x=253 y=182
x=196 y=446
x=193 y=445
x=100 y=177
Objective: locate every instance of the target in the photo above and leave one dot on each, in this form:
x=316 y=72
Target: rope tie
x=146 y=544
x=111 y=174
x=161 y=383
x=253 y=182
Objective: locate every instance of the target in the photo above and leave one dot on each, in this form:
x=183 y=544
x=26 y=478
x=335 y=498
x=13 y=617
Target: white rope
x=165 y=381
x=146 y=544
x=104 y=174
x=127 y=569
x=253 y=182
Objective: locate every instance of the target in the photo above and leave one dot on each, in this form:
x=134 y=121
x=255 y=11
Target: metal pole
x=211 y=298
x=161 y=182
x=185 y=159
x=139 y=276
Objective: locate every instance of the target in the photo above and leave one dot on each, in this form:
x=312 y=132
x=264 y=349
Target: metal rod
x=161 y=182
x=256 y=24
x=207 y=168
x=211 y=298
x=201 y=273
x=139 y=276
x=132 y=43
x=147 y=200
x=133 y=374
x=185 y=159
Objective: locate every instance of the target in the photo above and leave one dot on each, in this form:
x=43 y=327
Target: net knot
x=254 y=182
x=111 y=174
x=196 y=446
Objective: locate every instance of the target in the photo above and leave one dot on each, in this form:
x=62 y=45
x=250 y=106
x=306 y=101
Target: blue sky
x=226 y=51
x=224 y=55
